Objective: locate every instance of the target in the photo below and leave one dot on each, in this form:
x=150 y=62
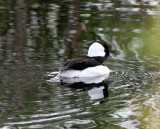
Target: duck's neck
x=99 y=58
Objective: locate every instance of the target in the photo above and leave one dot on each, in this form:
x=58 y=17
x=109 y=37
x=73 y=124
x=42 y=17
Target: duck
x=90 y=66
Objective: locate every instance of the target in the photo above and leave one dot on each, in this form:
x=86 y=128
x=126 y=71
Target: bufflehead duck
x=91 y=66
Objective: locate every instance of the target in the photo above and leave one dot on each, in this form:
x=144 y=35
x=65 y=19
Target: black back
x=80 y=64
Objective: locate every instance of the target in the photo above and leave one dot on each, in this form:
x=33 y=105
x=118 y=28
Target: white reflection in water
x=131 y=124
x=52 y=19
x=39 y=120
x=96 y=93
x=97 y=87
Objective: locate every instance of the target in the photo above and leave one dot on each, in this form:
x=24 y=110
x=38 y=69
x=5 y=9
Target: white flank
x=86 y=80
x=88 y=72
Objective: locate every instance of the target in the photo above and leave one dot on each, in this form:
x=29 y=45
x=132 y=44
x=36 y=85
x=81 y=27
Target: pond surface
x=37 y=37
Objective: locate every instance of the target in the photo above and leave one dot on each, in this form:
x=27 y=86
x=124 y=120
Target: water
x=37 y=37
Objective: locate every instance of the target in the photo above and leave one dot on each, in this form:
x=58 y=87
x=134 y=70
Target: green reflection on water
x=148 y=110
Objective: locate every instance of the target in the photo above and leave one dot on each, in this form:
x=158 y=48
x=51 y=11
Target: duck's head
x=99 y=50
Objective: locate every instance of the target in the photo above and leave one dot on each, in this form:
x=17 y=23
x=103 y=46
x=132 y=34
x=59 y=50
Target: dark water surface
x=37 y=37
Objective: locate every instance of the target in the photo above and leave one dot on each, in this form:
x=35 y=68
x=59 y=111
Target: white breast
x=88 y=72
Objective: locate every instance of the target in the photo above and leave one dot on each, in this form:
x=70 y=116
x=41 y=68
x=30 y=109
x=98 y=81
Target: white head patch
x=96 y=49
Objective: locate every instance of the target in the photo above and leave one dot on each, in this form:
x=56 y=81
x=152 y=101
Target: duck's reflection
x=97 y=87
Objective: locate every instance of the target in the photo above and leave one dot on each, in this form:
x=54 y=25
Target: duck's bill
x=111 y=58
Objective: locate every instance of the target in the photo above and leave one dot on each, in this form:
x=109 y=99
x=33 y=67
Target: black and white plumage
x=90 y=66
